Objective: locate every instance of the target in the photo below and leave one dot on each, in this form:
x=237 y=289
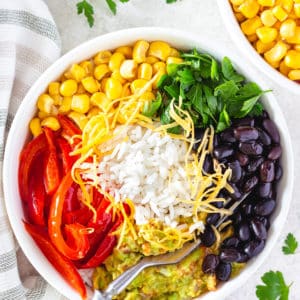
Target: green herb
x=150 y=108
x=86 y=8
x=291 y=244
x=274 y=289
x=213 y=93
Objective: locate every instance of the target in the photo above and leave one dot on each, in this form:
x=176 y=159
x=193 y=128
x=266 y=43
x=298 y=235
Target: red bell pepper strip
x=81 y=216
x=81 y=245
x=71 y=200
x=65 y=150
x=27 y=157
x=69 y=129
x=63 y=265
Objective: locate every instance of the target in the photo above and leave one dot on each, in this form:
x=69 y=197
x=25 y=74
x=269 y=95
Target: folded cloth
x=29 y=43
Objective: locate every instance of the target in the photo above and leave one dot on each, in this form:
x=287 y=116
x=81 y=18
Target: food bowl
x=19 y=134
x=249 y=52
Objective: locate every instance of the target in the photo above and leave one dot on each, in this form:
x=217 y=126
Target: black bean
x=243 y=257
x=210 y=263
x=251 y=148
x=208 y=164
x=208 y=237
x=267 y=171
x=199 y=132
x=275 y=152
x=223 y=271
x=227 y=136
x=247 y=121
x=243 y=232
x=265 y=221
x=229 y=255
x=254 y=247
x=242 y=158
x=258 y=228
x=254 y=164
x=231 y=242
x=236 y=170
x=212 y=219
x=247 y=209
x=271 y=129
x=264 y=138
x=218 y=204
x=278 y=173
x=265 y=208
x=237 y=218
x=250 y=184
x=264 y=189
x=245 y=133
x=221 y=152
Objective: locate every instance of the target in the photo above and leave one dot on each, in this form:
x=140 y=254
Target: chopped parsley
x=290 y=244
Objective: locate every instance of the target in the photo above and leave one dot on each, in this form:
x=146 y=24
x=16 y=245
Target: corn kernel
x=145 y=71
x=147 y=96
x=51 y=122
x=102 y=57
x=113 y=88
x=158 y=66
x=287 y=5
x=100 y=71
x=42 y=115
x=266 y=34
x=292 y=59
x=249 y=8
x=174 y=60
x=80 y=103
x=267 y=18
x=252 y=38
x=94 y=111
x=57 y=99
x=294 y=75
x=65 y=105
x=279 y=13
x=296 y=38
x=250 y=26
x=297 y=47
x=45 y=103
x=266 y=2
x=174 y=52
x=288 y=29
x=53 y=88
x=237 y=2
x=128 y=69
x=262 y=47
x=140 y=49
x=276 y=53
x=139 y=84
x=88 y=67
x=78 y=118
x=125 y=50
x=81 y=89
x=284 y=69
x=116 y=75
x=115 y=61
x=297 y=9
x=103 y=84
x=151 y=60
x=78 y=72
x=35 y=127
x=68 y=88
x=90 y=84
x=100 y=100
x=159 y=49
x=240 y=17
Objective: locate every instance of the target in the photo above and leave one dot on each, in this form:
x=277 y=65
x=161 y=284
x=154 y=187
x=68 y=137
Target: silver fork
x=121 y=282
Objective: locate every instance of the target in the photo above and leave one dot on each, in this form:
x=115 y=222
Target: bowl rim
x=85 y=50
x=248 y=51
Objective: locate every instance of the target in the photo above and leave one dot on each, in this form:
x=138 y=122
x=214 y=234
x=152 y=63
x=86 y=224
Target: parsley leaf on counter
x=291 y=244
x=88 y=10
x=274 y=289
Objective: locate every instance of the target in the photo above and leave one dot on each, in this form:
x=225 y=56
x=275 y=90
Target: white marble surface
x=201 y=17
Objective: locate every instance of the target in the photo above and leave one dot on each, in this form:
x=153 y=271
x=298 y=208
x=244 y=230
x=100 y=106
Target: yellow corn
x=140 y=49
x=77 y=72
x=240 y=17
x=151 y=60
x=53 y=88
x=297 y=10
x=292 y=59
x=45 y=103
x=113 y=88
x=115 y=61
x=68 y=88
x=252 y=38
x=35 y=127
x=266 y=2
x=128 y=69
x=126 y=90
x=266 y=34
x=147 y=96
x=81 y=89
x=42 y=115
x=288 y=29
x=103 y=84
x=294 y=75
x=138 y=84
x=125 y=50
x=78 y=118
x=100 y=71
x=287 y=5
x=174 y=60
x=116 y=75
x=158 y=66
x=145 y=71
x=279 y=13
x=159 y=49
x=88 y=67
x=296 y=38
x=275 y=54
x=249 y=8
x=94 y=111
x=90 y=84
x=65 y=105
x=80 y=103
x=267 y=18
x=250 y=26
x=51 y=122
x=57 y=99
x=237 y=2
x=100 y=100
x=262 y=47
x=297 y=47
x=174 y=52
x=102 y=57
x=284 y=69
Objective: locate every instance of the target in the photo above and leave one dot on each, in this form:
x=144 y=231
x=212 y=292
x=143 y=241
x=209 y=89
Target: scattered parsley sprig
x=86 y=7
x=290 y=244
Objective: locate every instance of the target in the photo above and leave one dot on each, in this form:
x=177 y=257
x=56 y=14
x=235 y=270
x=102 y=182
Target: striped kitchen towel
x=29 y=43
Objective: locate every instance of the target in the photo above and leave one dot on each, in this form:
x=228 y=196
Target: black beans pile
x=251 y=148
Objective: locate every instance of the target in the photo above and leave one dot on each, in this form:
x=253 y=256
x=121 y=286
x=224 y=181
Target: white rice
x=149 y=169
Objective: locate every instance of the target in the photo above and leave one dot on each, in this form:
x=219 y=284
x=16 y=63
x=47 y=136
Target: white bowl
x=19 y=133
x=249 y=52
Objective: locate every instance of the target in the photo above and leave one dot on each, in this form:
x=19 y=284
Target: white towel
x=29 y=43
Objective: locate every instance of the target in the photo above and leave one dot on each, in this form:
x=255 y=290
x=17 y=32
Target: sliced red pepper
x=63 y=265
x=81 y=247
x=65 y=150
x=27 y=157
x=81 y=215
x=71 y=200
x=69 y=129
